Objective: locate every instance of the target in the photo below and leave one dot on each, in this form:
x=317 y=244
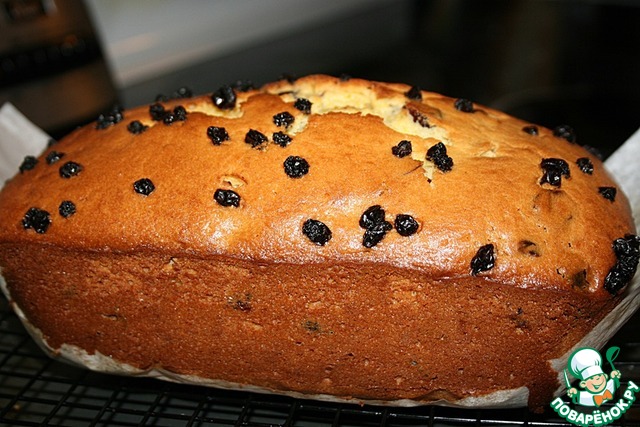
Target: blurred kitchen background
x=576 y=62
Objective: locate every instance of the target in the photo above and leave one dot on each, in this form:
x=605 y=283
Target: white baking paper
x=19 y=138
x=624 y=165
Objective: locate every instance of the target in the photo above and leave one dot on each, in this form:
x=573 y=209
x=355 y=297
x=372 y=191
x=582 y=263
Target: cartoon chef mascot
x=586 y=365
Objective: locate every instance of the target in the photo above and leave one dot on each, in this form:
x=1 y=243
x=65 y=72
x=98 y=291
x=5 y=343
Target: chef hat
x=585 y=363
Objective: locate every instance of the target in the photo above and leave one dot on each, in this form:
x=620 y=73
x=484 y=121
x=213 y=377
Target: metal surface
x=36 y=390
x=51 y=64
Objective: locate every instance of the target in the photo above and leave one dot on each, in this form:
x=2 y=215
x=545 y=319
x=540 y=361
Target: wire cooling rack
x=38 y=391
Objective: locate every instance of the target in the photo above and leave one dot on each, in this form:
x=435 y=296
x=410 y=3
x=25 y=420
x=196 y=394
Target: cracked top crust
x=544 y=236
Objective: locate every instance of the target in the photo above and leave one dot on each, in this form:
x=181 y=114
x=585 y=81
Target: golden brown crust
x=553 y=244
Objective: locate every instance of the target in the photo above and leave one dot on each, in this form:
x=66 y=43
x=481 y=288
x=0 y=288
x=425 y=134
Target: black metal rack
x=36 y=390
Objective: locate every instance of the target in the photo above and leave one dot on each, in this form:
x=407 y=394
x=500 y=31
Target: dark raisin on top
x=136 y=127
x=66 y=209
x=464 y=105
x=255 y=138
x=438 y=155
x=110 y=118
x=283 y=119
x=419 y=118
x=169 y=118
x=144 y=186
x=53 y=157
x=553 y=171
x=483 y=260
x=375 y=225
x=160 y=114
x=374 y=235
x=531 y=130
x=585 y=165
x=28 y=163
x=217 y=134
x=402 y=149
x=406 y=225
x=226 y=198
x=316 y=231
x=179 y=113
x=565 y=132
x=224 y=98
x=281 y=139
x=303 y=105
x=296 y=166
x=37 y=219
x=415 y=93
x=627 y=251
x=372 y=216
x=157 y=112
x=182 y=92
x=608 y=193
x=70 y=169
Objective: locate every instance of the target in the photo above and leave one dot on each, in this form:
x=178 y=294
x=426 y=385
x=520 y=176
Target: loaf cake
x=323 y=237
